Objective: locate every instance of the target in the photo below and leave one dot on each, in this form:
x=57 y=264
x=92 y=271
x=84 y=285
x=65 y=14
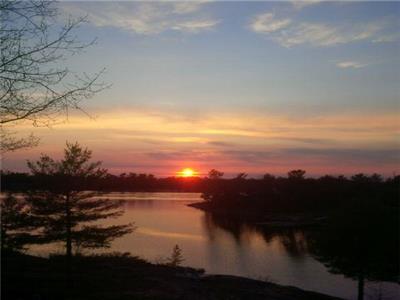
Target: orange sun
x=187 y=172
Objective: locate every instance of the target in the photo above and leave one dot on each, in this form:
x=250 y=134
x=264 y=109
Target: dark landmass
x=132 y=182
x=268 y=220
x=125 y=277
x=359 y=237
x=325 y=188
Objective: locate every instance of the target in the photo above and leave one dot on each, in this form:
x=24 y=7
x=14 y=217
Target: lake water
x=164 y=220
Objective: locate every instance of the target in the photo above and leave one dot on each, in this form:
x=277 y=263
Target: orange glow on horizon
x=187 y=172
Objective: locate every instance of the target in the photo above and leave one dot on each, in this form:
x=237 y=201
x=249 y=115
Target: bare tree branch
x=35 y=84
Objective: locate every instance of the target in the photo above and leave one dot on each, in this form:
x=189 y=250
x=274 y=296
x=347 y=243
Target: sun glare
x=187 y=172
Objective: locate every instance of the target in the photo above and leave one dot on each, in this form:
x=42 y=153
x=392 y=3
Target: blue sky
x=231 y=63
x=242 y=86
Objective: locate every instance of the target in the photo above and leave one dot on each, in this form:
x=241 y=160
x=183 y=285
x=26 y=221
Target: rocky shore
x=112 y=277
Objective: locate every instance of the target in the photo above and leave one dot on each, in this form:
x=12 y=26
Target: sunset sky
x=249 y=87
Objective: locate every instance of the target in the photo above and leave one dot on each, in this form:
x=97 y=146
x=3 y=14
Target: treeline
x=132 y=182
x=298 y=193
x=125 y=182
x=295 y=191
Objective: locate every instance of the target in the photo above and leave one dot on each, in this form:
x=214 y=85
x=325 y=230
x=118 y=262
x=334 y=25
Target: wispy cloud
x=153 y=142
x=220 y=143
x=266 y=23
x=146 y=18
x=350 y=64
x=331 y=155
x=300 y=4
x=187 y=6
x=325 y=35
x=195 y=26
x=387 y=38
x=288 y=32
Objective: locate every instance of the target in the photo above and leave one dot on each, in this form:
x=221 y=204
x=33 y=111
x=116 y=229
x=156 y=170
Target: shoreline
x=121 y=276
x=270 y=220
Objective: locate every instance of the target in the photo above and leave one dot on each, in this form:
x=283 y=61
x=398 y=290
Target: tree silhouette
x=176 y=257
x=360 y=243
x=17 y=224
x=34 y=84
x=268 y=177
x=296 y=174
x=213 y=181
x=241 y=176
x=215 y=174
x=66 y=210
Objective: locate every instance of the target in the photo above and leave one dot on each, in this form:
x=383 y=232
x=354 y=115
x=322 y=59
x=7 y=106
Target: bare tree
x=35 y=84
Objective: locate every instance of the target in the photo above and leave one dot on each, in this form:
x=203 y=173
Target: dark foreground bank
x=125 y=277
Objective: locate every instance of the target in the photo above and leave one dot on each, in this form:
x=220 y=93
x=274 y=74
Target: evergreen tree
x=17 y=225
x=296 y=174
x=66 y=210
x=176 y=257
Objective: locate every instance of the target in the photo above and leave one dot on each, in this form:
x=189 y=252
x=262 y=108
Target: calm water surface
x=164 y=220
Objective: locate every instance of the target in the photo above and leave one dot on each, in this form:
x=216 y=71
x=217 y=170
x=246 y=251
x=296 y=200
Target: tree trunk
x=361 y=286
x=3 y=238
x=68 y=228
x=68 y=260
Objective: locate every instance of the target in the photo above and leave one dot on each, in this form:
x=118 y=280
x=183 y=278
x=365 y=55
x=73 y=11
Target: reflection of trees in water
x=212 y=223
x=152 y=203
x=361 y=243
x=293 y=241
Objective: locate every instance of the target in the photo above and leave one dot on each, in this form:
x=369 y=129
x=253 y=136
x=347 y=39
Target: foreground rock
x=124 y=277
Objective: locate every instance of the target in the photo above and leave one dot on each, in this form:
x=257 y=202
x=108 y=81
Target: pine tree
x=17 y=225
x=66 y=210
x=176 y=257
